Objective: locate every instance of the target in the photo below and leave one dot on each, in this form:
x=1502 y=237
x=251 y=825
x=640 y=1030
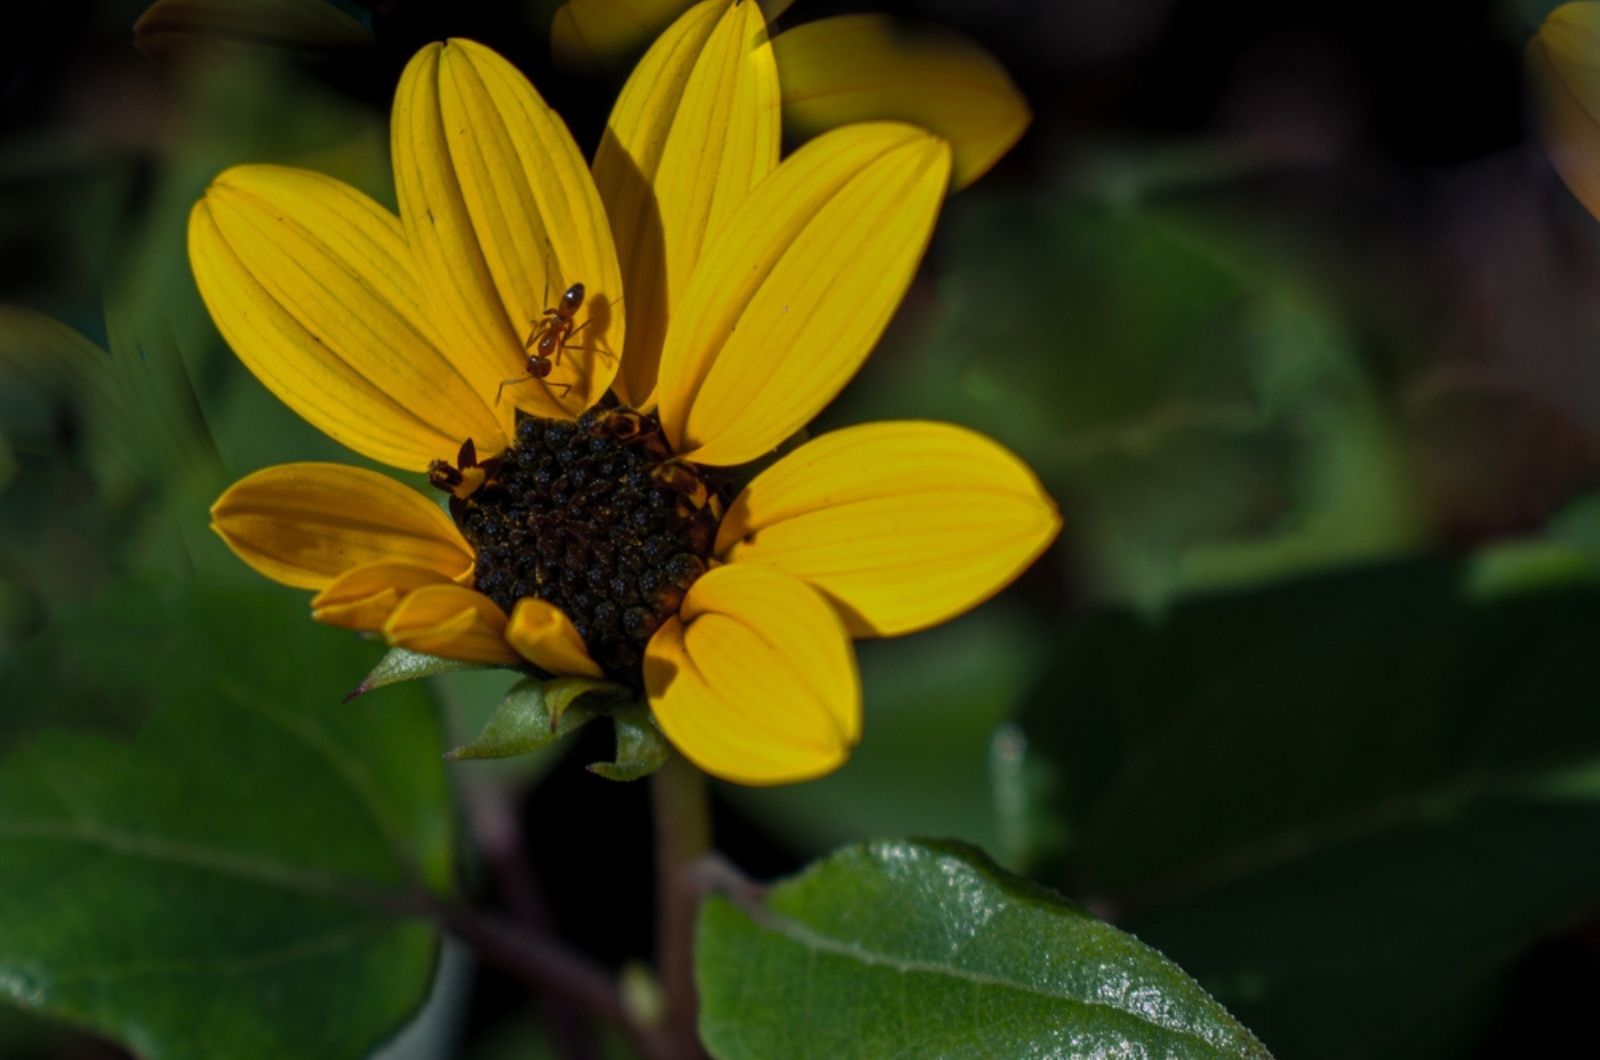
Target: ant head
x=573 y=298
x=539 y=365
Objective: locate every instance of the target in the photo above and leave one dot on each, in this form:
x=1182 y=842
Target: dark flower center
x=597 y=518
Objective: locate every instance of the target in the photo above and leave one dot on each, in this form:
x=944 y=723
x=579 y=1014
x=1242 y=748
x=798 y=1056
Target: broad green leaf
x=203 y=864
x=1346 y=804
x=916 y=948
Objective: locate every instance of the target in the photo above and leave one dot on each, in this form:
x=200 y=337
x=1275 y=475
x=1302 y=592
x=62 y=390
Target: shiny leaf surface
x=914 y=948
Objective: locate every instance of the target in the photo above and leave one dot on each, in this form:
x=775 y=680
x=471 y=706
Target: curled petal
x=544 y=635
x=502 y=217
x=309 y=282
x=792 y=295
x=901 y=525
x=452 y=622
x=307 y=524
x=695 y=128
x=755 y=681
x=365 y=597
x=852 y=68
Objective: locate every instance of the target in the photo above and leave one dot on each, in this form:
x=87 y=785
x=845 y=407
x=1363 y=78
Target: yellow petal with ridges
x=794 y=292
x=307 y=524
x=695 y=128
x=365 y=597
x=755 y=680
x=901 y=525
x=853 y=68
x=544 y=635
x=452 y=622
x=502 y=217
x=308 y=280
x=1563 y=65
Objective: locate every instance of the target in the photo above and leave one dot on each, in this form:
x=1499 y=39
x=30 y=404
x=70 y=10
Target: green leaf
x=294 y=27
x=1346 y=804
x=403 y=664
x=915 y=948
x=206 y=865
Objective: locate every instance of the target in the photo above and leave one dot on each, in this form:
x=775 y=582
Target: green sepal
x=403 y=664
x=535 y=714
x=641 y=749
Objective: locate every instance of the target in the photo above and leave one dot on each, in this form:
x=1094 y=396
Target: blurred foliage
x=1431 y=758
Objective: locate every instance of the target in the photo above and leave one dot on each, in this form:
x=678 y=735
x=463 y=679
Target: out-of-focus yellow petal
x=502 y=216
x=796 y=289
x=452 y=622
x=901 y=525
x=307 y=524
x=596 y=34
x=854 y=68
x=309 y=282
x=365 y=597
x=696 y=127
x=546 y=637
x=755 y=680
x=1563 y=63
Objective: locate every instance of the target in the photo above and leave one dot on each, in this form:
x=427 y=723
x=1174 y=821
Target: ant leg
x=566 y=388
x=500 y=391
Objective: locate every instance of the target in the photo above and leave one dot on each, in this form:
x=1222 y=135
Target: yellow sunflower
x=585 y=438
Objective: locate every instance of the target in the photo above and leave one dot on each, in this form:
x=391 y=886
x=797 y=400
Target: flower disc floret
x=597 y=519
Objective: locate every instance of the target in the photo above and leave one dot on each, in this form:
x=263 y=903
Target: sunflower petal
x=1563 y=63
x=307 y=524
x=308 y=281
x=853 y=68
x=452 y=622
x=901 y=525
x=696 y=127
x=502 y=217
x=594 y=34
x=365 y=597
x=794 y=292
x=755 y=680
x=544 y=635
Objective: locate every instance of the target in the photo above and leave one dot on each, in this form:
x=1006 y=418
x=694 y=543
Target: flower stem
x=683 y=838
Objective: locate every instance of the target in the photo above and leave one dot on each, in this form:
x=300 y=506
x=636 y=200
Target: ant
x=551 y=335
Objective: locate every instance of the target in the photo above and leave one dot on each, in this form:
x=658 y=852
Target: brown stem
x=549 y=969
x=516 y=884
x=683 y=839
